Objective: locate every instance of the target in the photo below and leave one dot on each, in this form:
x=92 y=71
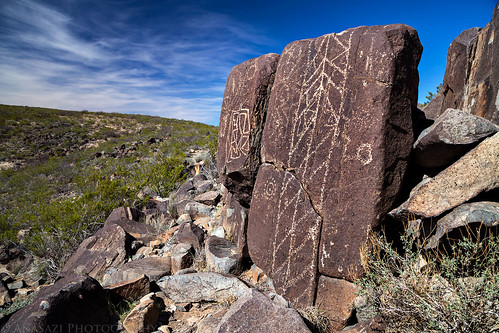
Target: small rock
x=153 y=267
x=198 y=180
x=16 y=285
x=143 y=318
x=131 y=289
x=254 y=312
x=204 y=186
x=184 y=218
x=185 y=191
x=197 y=287
x=210 y=198
x=182 y=257
x=221 y=255
x=197 y=210
x=453 y=134
x=209 y=323
x=192 y=234
x=472 y=174
x=483 y=214
x=218 y=232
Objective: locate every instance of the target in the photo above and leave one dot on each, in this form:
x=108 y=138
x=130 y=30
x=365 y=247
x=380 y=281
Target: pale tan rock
x=335 y=298
x=474 y=173
x=143 y=318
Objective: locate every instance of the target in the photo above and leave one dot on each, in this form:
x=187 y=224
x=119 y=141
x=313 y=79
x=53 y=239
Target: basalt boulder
x=335 y=147
x=241 y=123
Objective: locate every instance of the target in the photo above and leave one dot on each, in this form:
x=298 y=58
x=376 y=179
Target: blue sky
x=171 y=58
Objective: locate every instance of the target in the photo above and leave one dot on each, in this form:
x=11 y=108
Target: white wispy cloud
x=49 y=57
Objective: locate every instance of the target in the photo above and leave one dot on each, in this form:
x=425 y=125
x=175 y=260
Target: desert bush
x=317 y=319
x=446 y=290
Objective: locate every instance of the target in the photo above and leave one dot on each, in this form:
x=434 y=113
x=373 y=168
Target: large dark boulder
x=335 y=145
x=73 y=304
x=241 y=124
x=108 y=247
x=471 y=80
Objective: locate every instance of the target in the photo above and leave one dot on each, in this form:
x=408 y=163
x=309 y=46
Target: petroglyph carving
x=364 y=153
x=239 y=135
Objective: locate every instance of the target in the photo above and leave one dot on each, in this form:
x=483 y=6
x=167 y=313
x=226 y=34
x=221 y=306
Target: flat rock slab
x=108 y=247
x=210 y=198
x=283 y=234
x=453 y=134
x=339 y=121
x=235 y=222
x=241 y=123
x=476 y=216
x=153 y=267
x=73 y=303
x=131 y=289
x=197 y=287
x=474 y=173
x=335 y=297
x=254 y=312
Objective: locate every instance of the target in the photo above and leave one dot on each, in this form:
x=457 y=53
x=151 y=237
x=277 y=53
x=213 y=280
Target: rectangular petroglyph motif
x=239 y=134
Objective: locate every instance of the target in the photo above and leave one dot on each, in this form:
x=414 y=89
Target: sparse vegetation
x=317 y=319
x=453 y=289
x=69 y=170
x=430 y=96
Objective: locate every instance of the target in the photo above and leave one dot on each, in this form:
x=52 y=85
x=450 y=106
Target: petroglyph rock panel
x=283 y=234
x=241 y=124
x=339 y=121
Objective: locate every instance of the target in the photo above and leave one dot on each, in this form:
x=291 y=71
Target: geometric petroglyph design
x=364 y=153
x=239 y=134
x=295 y=239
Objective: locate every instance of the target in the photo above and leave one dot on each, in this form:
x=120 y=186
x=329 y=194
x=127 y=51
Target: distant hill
x=62 y=172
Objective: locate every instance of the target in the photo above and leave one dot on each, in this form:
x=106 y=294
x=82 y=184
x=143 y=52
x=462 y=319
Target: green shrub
x=453 y=290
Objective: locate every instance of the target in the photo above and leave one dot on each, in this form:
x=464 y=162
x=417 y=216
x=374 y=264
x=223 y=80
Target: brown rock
x=153 y=267
x=210 y=198
x=471 y=80
x=138 y=230
x=192 y=234
x=4 y=295
x=182 y=257
x=335 y=297
x=143 y=318
x=72 y=303
x=339 y=119
x=209 y=323
x=241 y=123
x=453 y=134
x=283 y=234
x=128 y=213
x=476 y=217
x=186 y=191
x=235 y=222
x=474 y=173
x=131 y=289
x=255 y=313
x=339 y=133
x=108 y=247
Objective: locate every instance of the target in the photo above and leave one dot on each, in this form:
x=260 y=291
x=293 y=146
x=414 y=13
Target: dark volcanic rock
x=235 y=222
x=108 y=247
x=190 y=233
x=221 y=255
x=153 y=267
x=241 y=123
x=476 y=215
x=339 y=121
x=283 y=234
x=72 y=304
x=451 y=136
x=471 y=80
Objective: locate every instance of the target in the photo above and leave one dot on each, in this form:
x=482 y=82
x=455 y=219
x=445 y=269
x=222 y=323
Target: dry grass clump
x=453 y=289
x=317 y=319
